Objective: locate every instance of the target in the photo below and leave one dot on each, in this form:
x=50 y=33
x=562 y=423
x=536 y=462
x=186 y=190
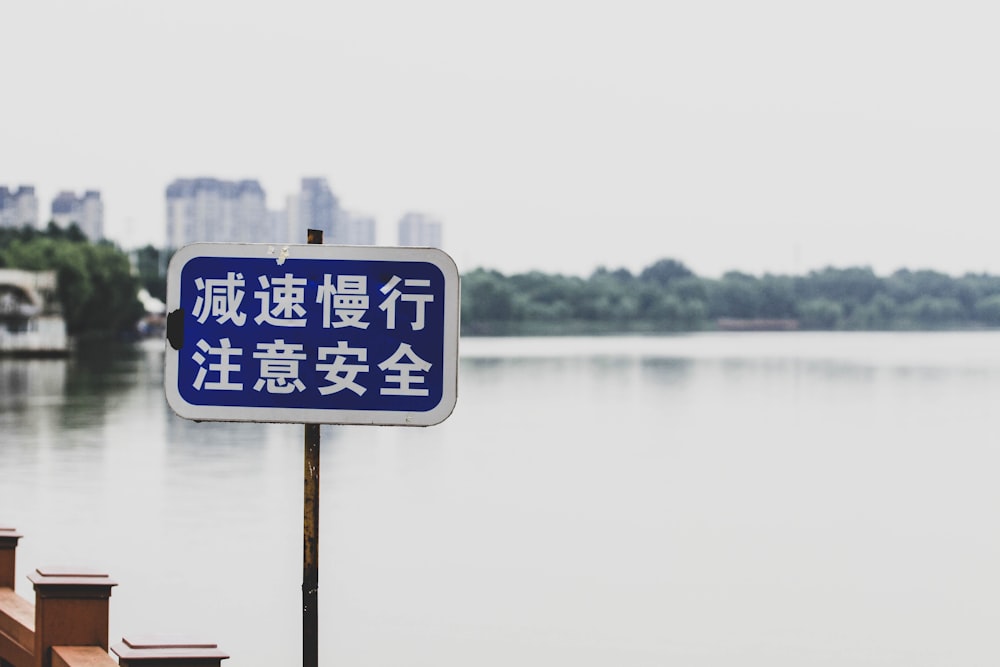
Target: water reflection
x=638 y=501
x=667 y=371
x=31 y=383
x=97 y=375
x=31 y=393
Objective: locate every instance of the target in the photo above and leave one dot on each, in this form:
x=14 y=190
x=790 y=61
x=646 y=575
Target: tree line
x=667 y=296
x=98 y=286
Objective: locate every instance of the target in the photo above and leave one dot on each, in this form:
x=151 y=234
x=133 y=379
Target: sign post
x=310 y=531
x=312 y=334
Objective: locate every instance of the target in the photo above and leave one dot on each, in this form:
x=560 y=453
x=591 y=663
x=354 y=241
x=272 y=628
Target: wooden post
x=81 y=656
x=167 y=652
x=71 y=609
x=8 y=556
x=310 y=533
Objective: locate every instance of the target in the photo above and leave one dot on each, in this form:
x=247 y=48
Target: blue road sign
x=312 y=334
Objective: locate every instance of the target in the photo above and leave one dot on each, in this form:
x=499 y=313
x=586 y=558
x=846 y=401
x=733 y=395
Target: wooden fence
x=67 y=626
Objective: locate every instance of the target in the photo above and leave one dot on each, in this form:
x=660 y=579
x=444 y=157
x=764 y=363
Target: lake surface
x=702 y=500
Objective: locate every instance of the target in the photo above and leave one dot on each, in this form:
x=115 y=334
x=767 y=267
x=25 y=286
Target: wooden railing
x=67 y=626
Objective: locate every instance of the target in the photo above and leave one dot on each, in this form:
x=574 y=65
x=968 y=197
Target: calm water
x=756 y=499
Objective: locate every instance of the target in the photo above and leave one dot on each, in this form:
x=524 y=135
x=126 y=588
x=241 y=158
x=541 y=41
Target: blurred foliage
x=95 y=286
x=667 y=296
x=151 y=269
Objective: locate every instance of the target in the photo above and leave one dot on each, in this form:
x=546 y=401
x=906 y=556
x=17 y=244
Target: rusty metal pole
x=310 y=534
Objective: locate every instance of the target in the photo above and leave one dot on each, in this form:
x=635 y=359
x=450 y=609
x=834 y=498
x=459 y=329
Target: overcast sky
x=545 y=134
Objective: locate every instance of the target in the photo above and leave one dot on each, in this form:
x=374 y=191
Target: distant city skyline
x=274 y=218
x=209 y=209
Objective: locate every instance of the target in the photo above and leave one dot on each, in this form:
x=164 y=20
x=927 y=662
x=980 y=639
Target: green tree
x=878 y=314
x=487 y=298
x=666 y=311
x=821 y=313
x=933 y=312
x=777 y=297
x=987 y=310
x=850 y=286
x=150 y=265
x=905 y=286
x=613 y=296
x=690 y=288
x=95 y=286
x=664 y=272
x=735 y=295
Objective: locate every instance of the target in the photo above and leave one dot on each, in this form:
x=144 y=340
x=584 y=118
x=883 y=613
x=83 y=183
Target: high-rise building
x=209 y=209
x=417 y=229
x=65 y=209
x=277 y=224
x=295 y=231
x=355 y=229
x=318 y=209
x=315 y=206
x=92 y=215
x=86 y=212
x=18 y=207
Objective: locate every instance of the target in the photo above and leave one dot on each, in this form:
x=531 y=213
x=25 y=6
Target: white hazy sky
x=546 y=134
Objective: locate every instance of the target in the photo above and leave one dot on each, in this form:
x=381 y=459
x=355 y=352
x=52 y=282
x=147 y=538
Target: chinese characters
x=349 y=310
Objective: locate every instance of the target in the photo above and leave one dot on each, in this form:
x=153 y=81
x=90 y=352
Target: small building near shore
x=30 y=318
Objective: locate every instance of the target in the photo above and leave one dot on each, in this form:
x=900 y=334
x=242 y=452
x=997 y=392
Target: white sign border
x=279 y=253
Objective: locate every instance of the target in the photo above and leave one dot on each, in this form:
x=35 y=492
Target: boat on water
x=30 y=321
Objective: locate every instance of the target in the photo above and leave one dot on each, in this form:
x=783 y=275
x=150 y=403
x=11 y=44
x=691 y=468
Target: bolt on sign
x=312 y=334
